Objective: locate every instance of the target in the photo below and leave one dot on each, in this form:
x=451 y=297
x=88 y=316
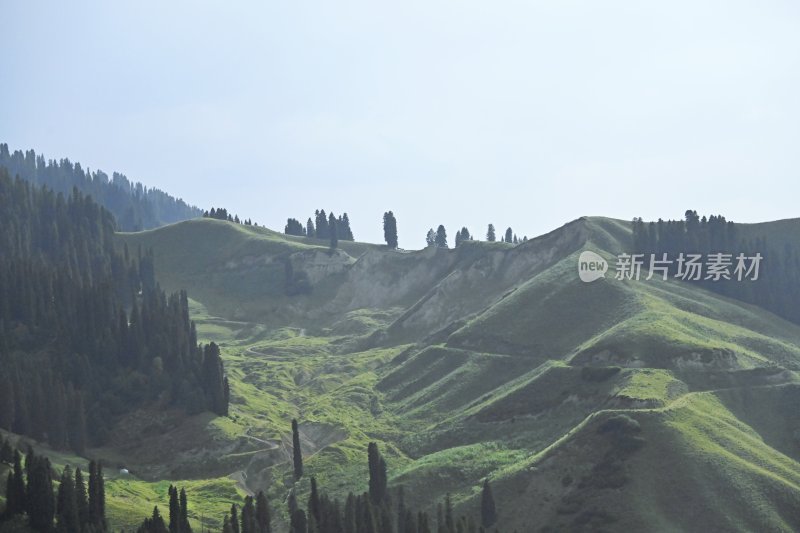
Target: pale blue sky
x=526 y=114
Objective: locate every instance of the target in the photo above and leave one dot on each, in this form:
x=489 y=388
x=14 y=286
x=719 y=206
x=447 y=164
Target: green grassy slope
x=491 y=361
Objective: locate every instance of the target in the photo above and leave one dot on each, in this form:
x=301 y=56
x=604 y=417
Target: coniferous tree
x=378 y=479
x=226 y=525
x=81 y=499
x=7 y=453
x=310 y=230
x=314 y=501
x=6 y=392
x=184 y=506
x=488 y=510
x=154 y=524
x=67 y=517
x=235 y=519
x=343 y=226
x=97 y=498
x=390 y=230
x=263 y=519
x=509 y=236
x=441 y=237
x=299 y=523
x=449 y=520
x=297 y=452
x=16 y=493
x=333 y=232
x=294 y=227
x=174 y=511
x=430 y=238
x=322 y=224
x=490 y=235
x=249 y=516
x=40 y=501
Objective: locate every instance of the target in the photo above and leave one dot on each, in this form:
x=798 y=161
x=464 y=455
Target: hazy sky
x=523 y=114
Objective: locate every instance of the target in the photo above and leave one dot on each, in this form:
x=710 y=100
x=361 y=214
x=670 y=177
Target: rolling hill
x=614 y=405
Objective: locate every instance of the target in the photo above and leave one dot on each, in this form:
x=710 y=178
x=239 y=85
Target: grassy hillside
x=587 y=405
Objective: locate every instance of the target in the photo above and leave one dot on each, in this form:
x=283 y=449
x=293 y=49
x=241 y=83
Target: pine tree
x=313 y=501
x=448 y=514
x=509 y=236
x=490 y=235
x=184 y=516
x=235 y=519
x=343 y=225
x=294 y=227
x=488 y=510
x=7 y=453
x=97 y=498
x=297 y=453
x=16 y=493
x=299 y=524
x=430 y=238
x=174 y=511
x=248 y=516
x=226 y=525
x=333 y=231
x=81 y=499
x=377 y=474
x=67 y=518
x=322 y=224
x=41 y=503
x=441 y=237
x=310 y=231
x=263 y=519
x=390 y=230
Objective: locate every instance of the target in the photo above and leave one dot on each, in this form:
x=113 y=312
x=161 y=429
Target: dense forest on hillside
x=134 y=206
x=777 y=288
x=86 y=334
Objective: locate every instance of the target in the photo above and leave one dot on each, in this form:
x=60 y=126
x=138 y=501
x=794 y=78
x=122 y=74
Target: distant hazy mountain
x=134 y=206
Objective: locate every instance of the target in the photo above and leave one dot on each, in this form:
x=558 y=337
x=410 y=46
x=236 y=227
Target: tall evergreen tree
x=67 y=518
x=41 y=503
x=378 y=479
x=333 y=232
x=430 y=238
x=299 y=523
x=249 y=516
x=97 y=497
x=343 y=225
x=490 y=235
x=263 y=519
x=297 y=452
x=441 y=237
x=314 y=501
x=174 y=511
x=235 y=519
x=322 y=224
x=390 y=230
x=310 y=230
x=15 y=488
x=509 y=236
x=81 y=499
x=488 y=510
